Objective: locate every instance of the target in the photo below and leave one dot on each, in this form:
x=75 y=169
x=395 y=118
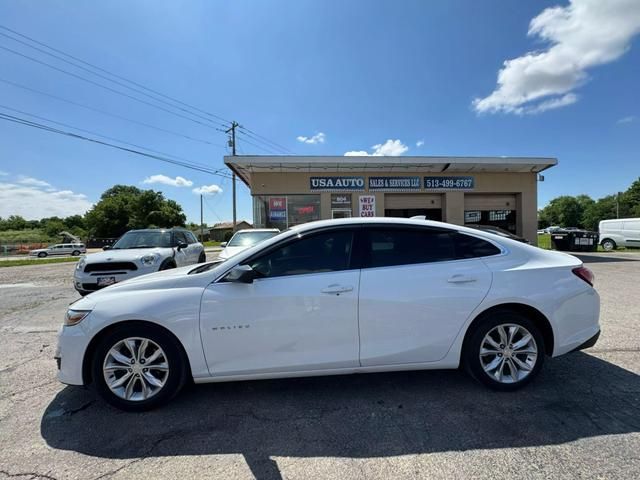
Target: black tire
x=42 y=254
x=202 y=258
x=608 y=244
x=473 y=342
x=176 y=359
x=75 y=253
x=167 y=264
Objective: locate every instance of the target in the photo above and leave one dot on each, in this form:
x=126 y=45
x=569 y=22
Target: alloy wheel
x=508 y=353
x=135 y=369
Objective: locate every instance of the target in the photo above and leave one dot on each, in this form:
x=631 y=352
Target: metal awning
x=245 y=165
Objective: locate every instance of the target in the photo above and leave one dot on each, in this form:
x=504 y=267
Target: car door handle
x=337 y=289
x=461 y=279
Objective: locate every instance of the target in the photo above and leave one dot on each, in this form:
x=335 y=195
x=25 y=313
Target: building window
x=284 y=211
x=505 y=219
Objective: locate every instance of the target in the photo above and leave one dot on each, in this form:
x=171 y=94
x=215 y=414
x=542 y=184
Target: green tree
x=124 y=207
x=565 y=211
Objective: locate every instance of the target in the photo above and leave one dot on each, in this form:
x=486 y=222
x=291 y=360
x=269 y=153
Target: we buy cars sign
x=367 y=205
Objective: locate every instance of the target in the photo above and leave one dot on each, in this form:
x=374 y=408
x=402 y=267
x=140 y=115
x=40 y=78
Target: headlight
x=74 y=317
x=149 y=260
x=81 y=263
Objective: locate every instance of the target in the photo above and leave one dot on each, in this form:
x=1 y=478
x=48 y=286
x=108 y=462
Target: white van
x=621 y=232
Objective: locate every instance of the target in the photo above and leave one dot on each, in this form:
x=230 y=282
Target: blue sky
x=362 y=73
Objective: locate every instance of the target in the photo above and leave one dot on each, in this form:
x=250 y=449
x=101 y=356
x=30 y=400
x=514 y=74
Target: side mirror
x=106 y=247
x=241 y=274
x=223 y=244
x=182 y=245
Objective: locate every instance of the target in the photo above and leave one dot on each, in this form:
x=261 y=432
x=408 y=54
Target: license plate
x=104 y=281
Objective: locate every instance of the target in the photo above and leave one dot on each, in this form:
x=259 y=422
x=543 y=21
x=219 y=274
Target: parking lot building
x=290 y=190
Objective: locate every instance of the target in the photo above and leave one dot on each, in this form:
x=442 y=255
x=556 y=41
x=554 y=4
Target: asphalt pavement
x=579 y=419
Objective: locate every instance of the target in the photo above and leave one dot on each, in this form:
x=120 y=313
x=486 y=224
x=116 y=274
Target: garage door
x=411 y=200
x=489 y=202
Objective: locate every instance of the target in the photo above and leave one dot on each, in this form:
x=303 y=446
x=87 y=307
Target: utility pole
x=232 y=130
x=201 y=221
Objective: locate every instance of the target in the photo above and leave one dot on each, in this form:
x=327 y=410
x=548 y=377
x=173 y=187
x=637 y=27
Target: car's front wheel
x=202 y=258
x=138 y=367
x=42 y=254
x=505 y=351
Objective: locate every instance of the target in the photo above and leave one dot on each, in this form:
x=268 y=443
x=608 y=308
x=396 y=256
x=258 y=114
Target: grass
x=34 y=261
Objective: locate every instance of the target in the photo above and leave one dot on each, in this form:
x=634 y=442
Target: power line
x=102 y=86
x=264 y=149
x=95 y=67
x=267 y=140
x=97 y=134
x=29 y=123
x=112 y=74
x=120 y=117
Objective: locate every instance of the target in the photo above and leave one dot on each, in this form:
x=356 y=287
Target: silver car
x=74 y=249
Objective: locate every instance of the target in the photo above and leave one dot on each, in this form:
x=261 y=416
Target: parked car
x=499 y=231
x=623 y=232
x=552 y=229
x=74 y=249
x=333 y=297
x=244 y=239
x=137 y=252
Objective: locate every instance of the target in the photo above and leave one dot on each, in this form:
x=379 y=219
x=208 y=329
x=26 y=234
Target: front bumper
x=589 y=343
x=88 y=282
x=72 y=345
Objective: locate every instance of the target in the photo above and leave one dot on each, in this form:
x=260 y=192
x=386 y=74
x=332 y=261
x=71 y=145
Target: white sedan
x=334 y=297
x=244 y=239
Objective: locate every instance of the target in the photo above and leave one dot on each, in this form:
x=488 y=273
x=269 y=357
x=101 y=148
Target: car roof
x=354 y=221
x=245 y=230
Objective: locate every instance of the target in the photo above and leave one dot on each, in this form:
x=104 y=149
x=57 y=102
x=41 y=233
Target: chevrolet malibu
x=334 y=297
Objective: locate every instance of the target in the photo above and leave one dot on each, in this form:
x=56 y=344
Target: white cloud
x=32 y=202
x=163 y=179
x=629 y=119
x=34 y=182
x=207 y=190
x=390 y=148
x=3 y=174
x=419 y=143
x=317 y=138
x=356 y=153
x=580 y=36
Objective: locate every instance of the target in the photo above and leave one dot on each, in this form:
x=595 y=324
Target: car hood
x=231 y=251
x=123 y=255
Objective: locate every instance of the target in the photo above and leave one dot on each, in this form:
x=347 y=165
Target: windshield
x=143 y=240
x=247 y=239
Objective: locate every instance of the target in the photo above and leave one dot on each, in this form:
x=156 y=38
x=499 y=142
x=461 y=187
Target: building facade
x=290 y=190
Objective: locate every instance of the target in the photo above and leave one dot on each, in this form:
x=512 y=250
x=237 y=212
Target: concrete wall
x=523 y=185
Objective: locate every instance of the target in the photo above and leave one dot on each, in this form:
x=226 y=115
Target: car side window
x=190 y=238
x=313 y=253
x=468 y=246
x=180 y=237
x=399 y=246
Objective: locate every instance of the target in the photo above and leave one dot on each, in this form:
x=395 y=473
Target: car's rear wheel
x=138 y=367
x=608 y=244
x=75 y=253
x=42 y=254
x=505 y=351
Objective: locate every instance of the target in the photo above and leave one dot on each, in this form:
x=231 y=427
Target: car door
x=631 y=233
x=194 y=247
x=181 y=256
x=301 y=315
x=415 y=294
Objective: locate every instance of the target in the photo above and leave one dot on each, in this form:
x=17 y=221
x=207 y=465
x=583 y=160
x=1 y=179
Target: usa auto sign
x=336 y=183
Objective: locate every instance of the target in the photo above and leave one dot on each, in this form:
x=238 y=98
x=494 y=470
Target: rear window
x=468 y=246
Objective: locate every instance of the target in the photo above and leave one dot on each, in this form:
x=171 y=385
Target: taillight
x=585 y=274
